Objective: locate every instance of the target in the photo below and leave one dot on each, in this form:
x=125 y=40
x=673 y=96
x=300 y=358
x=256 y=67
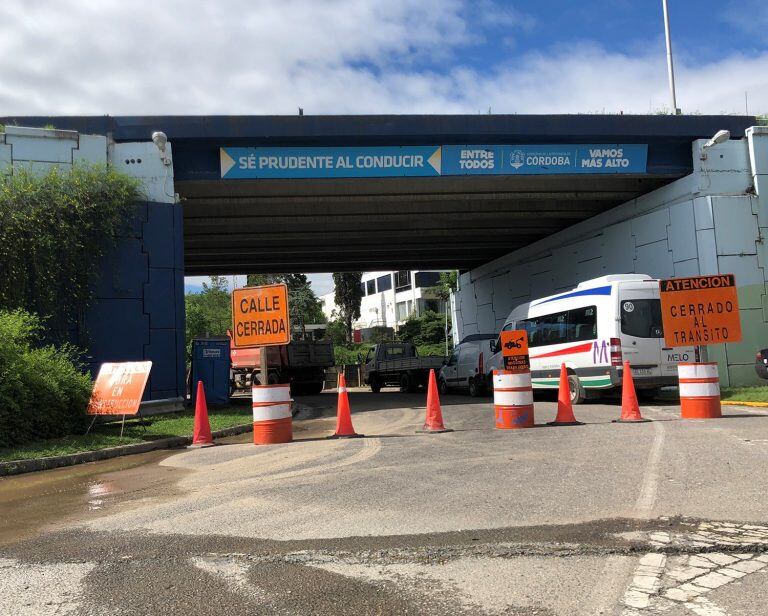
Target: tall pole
x=670 y=64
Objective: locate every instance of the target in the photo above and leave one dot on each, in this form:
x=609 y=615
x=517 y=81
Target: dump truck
x=398 y=363
x=302 y=363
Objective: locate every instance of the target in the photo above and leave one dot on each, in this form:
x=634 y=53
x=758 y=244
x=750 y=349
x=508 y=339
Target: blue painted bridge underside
x=322 y=224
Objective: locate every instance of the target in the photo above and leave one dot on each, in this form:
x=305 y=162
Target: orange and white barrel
x=272 y=418
x=512 y=399
x=699 y=390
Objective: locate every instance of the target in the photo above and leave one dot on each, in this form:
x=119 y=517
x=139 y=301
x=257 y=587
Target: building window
x=402 y=280
x=384 y=283
x=362 y=288
x=371 y=287
x=401 y=311
x=426 y=279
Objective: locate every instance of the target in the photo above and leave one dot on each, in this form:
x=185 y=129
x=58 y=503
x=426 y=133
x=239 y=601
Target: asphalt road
x=666 y=517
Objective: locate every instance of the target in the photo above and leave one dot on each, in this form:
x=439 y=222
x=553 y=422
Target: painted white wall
x=712 y=221
x=41 y=149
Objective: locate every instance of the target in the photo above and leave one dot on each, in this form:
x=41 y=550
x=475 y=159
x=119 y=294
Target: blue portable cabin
x=211 y=365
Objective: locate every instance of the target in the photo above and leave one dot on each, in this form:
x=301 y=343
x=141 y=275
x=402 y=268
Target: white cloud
x=321 y=283
x=335 y=56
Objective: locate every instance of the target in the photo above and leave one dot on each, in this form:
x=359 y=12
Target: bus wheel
x=577 y=390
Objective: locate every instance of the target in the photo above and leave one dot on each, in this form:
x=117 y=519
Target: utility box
x=210 y=364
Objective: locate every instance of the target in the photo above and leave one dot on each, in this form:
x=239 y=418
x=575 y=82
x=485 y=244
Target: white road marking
x=685 y=580
x=650 y=485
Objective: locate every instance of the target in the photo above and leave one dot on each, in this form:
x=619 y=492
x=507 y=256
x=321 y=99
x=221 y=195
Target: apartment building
x=389 y=298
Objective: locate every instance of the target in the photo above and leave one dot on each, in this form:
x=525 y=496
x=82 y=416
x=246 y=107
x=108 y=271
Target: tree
x=447 y=285
x=427 y=328
x=303 y=306
x=348 y=296
x=209 y=313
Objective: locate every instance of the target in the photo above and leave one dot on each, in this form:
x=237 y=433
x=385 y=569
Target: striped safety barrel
x=512 y=399
x=699 y=390
x=272 y=419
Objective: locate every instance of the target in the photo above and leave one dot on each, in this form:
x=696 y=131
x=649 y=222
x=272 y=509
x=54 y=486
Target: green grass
x=745 y=394
x=108 y=435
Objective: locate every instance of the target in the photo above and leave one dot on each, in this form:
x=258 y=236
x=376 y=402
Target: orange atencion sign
x=700 y=310
x=119 y=387
x=514 y=342
x=260 y=316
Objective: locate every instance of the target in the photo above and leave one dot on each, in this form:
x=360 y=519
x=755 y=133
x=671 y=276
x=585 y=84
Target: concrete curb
x=741 y=403
x=17 y=467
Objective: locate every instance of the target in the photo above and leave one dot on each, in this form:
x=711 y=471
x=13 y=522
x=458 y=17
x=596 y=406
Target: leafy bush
x=43 y=390
x=54 y=229
x=427 y=328
x=347 y=355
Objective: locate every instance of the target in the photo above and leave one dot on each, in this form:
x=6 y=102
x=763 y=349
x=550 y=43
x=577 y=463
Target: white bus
x=593 y=329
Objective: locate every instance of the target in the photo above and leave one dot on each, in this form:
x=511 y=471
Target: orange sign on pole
x=260 y=316
x=700 y=310
x=119 y=387
x=514 y=349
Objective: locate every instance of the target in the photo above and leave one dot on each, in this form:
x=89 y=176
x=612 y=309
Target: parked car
x=464 y=368
x=593 y=329
x=398 y=363
x=761 y=363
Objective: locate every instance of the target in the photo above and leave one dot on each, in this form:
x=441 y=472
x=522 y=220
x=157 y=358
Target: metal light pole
x=670 y=64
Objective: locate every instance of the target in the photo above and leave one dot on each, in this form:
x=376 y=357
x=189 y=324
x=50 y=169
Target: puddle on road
x=36 y=501
x=45 y=500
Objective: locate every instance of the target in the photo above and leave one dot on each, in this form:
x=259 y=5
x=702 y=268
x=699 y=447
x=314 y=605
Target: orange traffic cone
x=202 y=435
x=344 y=427
x=433 y=423
x=630 y=409
x=565 y=416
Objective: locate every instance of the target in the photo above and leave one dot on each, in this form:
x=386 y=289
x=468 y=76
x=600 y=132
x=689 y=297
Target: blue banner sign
x=543 y=159
x=368 y=162
x=427 y=161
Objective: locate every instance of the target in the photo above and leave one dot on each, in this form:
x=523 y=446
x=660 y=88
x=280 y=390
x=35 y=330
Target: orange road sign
x=119 y=387
x=700 y=310
x=514 y=350
x=260 y=316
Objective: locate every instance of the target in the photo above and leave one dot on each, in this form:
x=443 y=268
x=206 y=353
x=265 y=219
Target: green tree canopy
x=427 y=328
x=209 y=313
x=303 y=306
x=348 y=296
x=447 y=285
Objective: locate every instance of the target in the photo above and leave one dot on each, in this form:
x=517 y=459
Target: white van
x=593 y=329
x=465 y=367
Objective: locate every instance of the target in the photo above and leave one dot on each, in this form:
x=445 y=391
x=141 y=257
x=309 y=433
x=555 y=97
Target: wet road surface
x=666 y=517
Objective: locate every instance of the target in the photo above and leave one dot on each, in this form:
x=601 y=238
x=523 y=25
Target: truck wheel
x=375 y=385
x=315 y=388
x=442 y=387
x=577 y=390
x=405 y=383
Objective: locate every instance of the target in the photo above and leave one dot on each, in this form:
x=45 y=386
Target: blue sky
x=376 y=56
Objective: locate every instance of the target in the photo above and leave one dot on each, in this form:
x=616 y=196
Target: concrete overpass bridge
x=566 y=198
x=451 y=220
